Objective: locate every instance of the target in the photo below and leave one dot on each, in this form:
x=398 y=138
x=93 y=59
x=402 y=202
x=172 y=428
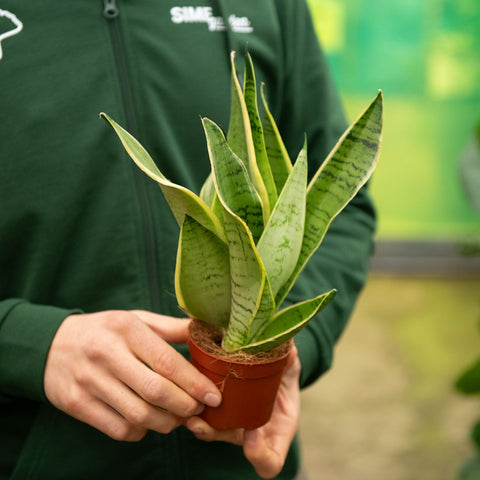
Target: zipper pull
x=110 y=9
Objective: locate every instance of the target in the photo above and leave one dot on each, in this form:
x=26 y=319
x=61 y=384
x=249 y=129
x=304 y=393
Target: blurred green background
x=388 y=408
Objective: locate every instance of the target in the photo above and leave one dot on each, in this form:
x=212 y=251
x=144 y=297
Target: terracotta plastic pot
x=248 y=389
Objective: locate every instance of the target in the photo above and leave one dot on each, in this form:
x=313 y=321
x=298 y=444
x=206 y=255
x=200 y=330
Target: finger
x=266 y=448
x=171 y=329
x=203 y=431
x=100 y=416
x=133 y=408
x=167 y=362
x=267 y=461
x=293 y=361
x=156 y=389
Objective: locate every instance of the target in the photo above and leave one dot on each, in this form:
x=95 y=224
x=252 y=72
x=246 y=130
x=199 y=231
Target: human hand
x=266 y=447
x=116 y=371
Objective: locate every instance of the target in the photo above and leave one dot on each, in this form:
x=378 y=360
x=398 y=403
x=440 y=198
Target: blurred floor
x=387 y=409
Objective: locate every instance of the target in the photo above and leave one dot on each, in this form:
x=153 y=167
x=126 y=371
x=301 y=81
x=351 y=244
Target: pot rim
x=220 y=365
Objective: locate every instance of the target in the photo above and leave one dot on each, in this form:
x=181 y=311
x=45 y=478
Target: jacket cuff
x=26 y=333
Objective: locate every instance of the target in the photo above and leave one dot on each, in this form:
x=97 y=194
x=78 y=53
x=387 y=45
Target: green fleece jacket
x=83 y=230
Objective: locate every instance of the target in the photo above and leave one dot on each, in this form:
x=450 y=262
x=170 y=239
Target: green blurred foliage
x=471 y=469
x=469 y=384
x=469 y=381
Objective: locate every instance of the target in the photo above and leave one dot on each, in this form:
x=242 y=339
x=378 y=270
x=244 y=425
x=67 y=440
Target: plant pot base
x=248 y=383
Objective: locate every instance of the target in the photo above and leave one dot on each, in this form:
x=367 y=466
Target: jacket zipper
x=110 y=9
x=111 y=13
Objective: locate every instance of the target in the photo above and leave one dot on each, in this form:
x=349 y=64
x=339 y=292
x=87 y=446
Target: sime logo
x=18 y=25
x=204 y=15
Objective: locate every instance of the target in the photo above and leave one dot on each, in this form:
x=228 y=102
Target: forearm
x=26 y=333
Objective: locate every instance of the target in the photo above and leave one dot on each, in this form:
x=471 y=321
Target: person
x=94 y=376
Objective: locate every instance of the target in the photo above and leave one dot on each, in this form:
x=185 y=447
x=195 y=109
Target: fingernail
x=212 y=399
x=196 y=429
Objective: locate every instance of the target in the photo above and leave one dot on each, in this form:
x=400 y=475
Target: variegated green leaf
x=252 y=299
x=239 y=133
x=232 y=181
x=250 y=95
x=344 y=172
x=181 y=200
x=277 y=154
x=202 y=274
x=286 y=323
x=281 y=241
x=207 y=192
x=266 y=309
x=217 y=208
x=236 y=337
x=240 y=139
x=209 y=195
x=248 y=280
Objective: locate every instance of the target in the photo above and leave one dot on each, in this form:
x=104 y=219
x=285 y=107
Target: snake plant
x=257 y=220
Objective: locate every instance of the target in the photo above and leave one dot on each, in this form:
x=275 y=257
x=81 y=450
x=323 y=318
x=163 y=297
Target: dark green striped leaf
x=250 y=94
x=281 y=241
x=277 y=154
x=248 y=281
x=286 y=323
x=202 y=274
x=232 y=181
x=240 y=139
x=343 y=173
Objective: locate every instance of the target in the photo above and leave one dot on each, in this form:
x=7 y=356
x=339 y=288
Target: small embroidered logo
x=204 y=15
x=9 y=33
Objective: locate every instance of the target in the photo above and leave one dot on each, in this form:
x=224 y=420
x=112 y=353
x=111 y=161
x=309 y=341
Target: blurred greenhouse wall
x=388 y=409
x=424 y=55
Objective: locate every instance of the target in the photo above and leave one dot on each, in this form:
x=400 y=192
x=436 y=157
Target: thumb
x=266 y=461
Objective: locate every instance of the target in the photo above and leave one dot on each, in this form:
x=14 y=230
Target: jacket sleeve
x=26 y=333
x=311 y=105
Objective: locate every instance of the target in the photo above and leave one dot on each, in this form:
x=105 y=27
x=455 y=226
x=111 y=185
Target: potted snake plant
x=247 y=236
